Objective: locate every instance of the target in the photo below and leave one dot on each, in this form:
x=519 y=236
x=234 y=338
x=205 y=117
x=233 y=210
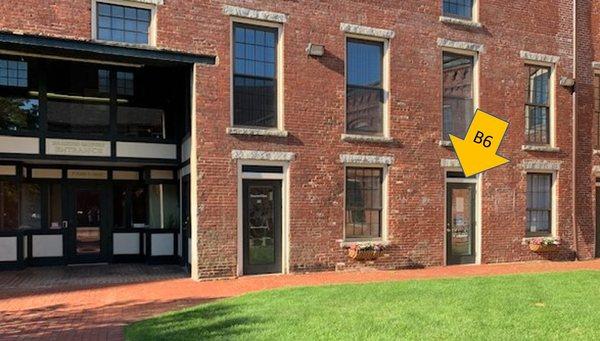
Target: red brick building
x=259 y=136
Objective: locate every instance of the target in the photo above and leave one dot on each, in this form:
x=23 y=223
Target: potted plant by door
x=365 y=251
x=544 y=244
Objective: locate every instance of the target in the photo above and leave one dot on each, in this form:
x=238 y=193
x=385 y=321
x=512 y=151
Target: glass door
x=87 y=224
x=460 y=223
x=262 y=226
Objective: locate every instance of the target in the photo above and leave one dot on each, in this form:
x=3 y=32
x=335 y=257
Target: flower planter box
x=364 y=255
x=538 y=248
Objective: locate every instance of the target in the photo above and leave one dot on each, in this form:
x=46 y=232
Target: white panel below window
x=126 y=243
x=47 y=245
x=8 y=249
x=162 y=244
x=147 y=150
x=19 y=145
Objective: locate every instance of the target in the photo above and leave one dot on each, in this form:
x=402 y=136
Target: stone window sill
x=366 y=138
x=457 y=21
x=349 y=243
x=596 y=152
x=256 y=132
x=445 y=143
x=534 y=148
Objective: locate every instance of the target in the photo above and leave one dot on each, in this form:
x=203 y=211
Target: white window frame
x=279 y=72
x=551 y=100
x=384 y=203
x=467 y=53
x=474 y=14
x=553 y=203
x=151 y=29
x=385 y=63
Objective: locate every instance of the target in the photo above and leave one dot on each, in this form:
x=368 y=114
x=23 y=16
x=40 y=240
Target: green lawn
x=537 y=307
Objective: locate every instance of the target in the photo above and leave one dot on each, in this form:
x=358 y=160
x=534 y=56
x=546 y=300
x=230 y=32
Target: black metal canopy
x=114 y=52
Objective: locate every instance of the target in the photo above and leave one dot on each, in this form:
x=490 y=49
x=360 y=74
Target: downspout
x=574 y=137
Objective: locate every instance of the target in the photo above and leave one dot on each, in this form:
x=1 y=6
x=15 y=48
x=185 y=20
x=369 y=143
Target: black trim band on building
x=105 y=51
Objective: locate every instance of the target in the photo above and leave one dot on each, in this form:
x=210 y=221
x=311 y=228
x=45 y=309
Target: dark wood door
x=88 y=223
x=460 y=223
x=262 y=226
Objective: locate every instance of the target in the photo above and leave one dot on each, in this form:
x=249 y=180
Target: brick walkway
x=68 y=308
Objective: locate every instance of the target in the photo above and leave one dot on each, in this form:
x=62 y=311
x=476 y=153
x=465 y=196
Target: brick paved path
x=64 y=303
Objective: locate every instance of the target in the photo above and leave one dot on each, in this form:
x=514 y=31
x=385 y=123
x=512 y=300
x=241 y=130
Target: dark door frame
x=69 y=204
x=450 y=259
x=276 y=267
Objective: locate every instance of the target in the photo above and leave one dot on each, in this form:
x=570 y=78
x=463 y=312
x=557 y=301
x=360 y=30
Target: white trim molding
x=596 y=170
x=366 y=138
x=256 y=131
x=457 y=21
x=366 y=159
x=596 y=65
x=262 y=155
x=540 y=165
x=367 y=31
x=460 y=45
x=151 y=2
x=540 y=148
x=248 y=13
x=539 y=57
x=449 y=163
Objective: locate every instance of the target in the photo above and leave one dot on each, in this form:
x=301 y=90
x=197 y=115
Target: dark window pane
x=458 y=94
x=9 y=206
x=31 y=206
x=54 y=206
x=123 y=24
x=255 y=93
x=120 y=206
x=364 y=200
x=19 y=113
x=13 y=73
x=539 y=204
x=139 y=206
x=140 y=122
x=459 y=8
x=364 y=88
x=537 y=107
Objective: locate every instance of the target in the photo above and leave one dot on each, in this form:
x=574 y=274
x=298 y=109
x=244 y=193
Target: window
x=462 y=9
x=19 y=105
x=364 y=87
x=130 y=205
x=31 y=206
x=537 y=105
x=9 y=206
x=254 y=76
x=597 y=107
x=539 y=204
x=54 y=206
x=163 y=206
x=74 y=89
x=122 y=23
x=364 y=198
x=458 y=93
x=20 y=206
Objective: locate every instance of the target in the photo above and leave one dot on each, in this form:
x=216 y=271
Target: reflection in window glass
x=9 y=206
x=459 y=8
x=458 y=94
x=139 y=212
x=364 y=87
x=122 y=23
x=31 y=206
x=54 y=206
x=537 y=105
x=13 y=73
x=254 y=92
x=120 y=205
x=140 y=122
x=163 y=206
x=19 y=113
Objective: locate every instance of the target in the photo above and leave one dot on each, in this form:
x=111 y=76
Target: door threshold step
x=87 y=264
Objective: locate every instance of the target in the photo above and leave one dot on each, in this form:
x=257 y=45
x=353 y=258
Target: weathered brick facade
x=314 y=101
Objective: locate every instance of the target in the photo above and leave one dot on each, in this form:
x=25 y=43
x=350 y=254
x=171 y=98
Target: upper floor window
x=122 y=23
x=364 y=203
x=537 y=104
x=364 y=87
x=254 y=76
x=539 y=204
x=462 y=9
x=19 y=104
x=458 y=93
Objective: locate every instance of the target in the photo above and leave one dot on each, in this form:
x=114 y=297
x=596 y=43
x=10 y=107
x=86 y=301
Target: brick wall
x=314 y=118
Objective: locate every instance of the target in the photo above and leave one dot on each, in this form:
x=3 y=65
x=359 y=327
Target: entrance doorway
x=460 y=222
x=87 y=223
x=262 y=226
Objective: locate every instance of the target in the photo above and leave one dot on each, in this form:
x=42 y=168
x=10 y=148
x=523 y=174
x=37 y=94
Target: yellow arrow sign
x=477 y=152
